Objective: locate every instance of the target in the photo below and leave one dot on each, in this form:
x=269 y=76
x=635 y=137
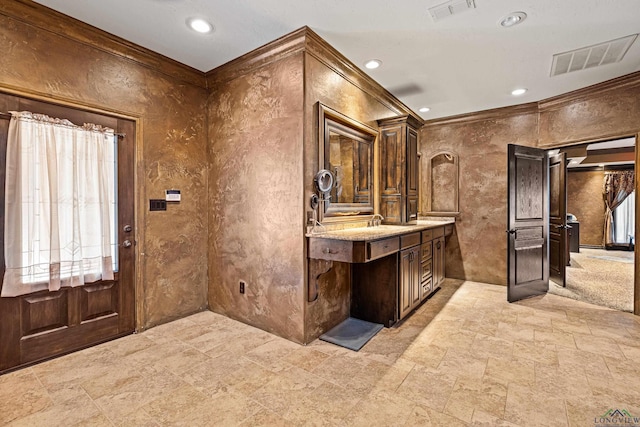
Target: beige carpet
x=600 y=277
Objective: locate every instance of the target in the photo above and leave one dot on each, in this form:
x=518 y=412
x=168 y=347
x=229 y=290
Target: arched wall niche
x=442 y=184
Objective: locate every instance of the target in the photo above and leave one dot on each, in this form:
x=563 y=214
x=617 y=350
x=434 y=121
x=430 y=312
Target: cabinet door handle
x=438 y=245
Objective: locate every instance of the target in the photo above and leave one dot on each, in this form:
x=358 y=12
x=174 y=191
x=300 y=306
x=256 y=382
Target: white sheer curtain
x=59 y=204
x=625 y=220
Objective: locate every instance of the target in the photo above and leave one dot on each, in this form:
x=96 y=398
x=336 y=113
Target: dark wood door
x=558 y=240
x=45 y=324
x=527 y=223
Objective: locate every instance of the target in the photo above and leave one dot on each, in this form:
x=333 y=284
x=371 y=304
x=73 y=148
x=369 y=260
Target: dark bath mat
x=352 y=333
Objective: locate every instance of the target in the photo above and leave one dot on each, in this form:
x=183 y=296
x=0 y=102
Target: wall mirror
x=346 y=149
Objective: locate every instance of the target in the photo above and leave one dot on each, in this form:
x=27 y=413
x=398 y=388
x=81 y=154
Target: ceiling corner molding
x=43 y=18
x=276 y=50
x=626 y=81
x=493 y=114
x=320 y=49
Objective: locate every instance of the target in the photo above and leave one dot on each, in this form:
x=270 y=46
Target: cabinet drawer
x=427 y=235
x=427 y=251
x=438 y=232
x=426 y=287
x=331 y=250
x=427 y=270
x=448 y=230
x=409 y=240
x=381 y=248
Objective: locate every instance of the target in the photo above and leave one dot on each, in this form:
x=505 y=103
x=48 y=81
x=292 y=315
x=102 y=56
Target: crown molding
x=493 y=114
x=622 y=82
x=306 y=40
x=317 y=47
x=274 y=51
x=43 y=18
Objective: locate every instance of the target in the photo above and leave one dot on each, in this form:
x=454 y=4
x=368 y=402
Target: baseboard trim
x=592 y=246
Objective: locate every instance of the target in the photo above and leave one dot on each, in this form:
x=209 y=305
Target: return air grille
x=452 y=7
x=591 y=56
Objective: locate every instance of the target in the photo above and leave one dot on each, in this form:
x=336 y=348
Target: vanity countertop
x=381 y=231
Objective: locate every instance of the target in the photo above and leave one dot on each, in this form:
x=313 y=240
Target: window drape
x=617 y=186
x=59 y=204
x=624 y=217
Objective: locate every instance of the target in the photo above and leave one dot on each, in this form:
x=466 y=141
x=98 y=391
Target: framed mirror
x=346 y=149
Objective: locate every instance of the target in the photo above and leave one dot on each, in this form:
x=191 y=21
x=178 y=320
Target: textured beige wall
x=611 y=110
x=172 y=145
x=256 y=220
x=584 y=200
x=478 y=248
x=325 y=85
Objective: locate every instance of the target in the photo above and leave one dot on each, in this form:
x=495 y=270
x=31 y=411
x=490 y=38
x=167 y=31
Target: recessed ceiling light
x=513 y=19
x=424 y=109
x=200 y=25
x=518 y=92
x=372 y=64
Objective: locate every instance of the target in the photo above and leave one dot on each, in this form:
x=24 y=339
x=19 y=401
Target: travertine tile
x=562 y=381
x=173 y=407
x=485 y=346
x=517 y=370
x=482 y=419
x=272 y=354
x=21 y=394
x=462 y=363
x=266 y=418
x=544 y=361
x=287 y=388
x=599 y=345
x=470 y=395
x=306 y=358
x=558 y=338
x=514 y=332
x=326 y=402
x=540 y=353
x=380 y=409
x=427 y=387
x=422 y=416
x=121 y=401
x=528 y=406
x=592 y=363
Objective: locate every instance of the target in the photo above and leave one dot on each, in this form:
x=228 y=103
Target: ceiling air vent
x=452 y=7
x=591 y=56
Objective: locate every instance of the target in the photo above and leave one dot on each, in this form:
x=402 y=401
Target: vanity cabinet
x=438 y=261
x=391 y=275
x=410 y=278
x=399 y=169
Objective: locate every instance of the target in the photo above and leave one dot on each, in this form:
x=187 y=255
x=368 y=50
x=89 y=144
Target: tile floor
x=466 y=357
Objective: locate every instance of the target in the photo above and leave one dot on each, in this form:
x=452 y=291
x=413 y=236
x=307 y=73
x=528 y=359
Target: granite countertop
x=381 y=231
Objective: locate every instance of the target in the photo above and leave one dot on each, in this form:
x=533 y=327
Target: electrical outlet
x=242 y=283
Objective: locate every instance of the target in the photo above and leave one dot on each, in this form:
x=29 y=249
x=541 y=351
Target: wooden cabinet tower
x=399 y=169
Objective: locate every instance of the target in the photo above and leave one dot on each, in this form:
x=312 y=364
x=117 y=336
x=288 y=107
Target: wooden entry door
x=558 y=241
x=527 y=222
x=45 y=324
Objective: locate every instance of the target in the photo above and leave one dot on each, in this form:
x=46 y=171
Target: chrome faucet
x=375 y=220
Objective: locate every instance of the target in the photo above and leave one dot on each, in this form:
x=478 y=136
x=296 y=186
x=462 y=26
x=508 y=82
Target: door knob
x=127 y=243
x=127 y=228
